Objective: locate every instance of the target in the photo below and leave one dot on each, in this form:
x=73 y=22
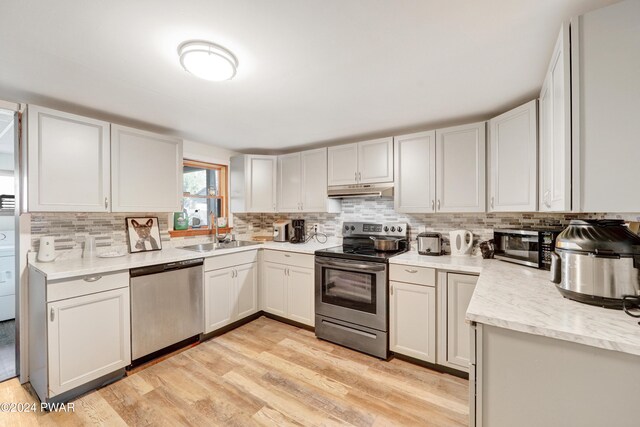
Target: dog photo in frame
x=143 y=234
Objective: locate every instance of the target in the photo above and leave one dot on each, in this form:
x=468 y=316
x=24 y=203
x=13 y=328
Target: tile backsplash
x=382 y=210
x=71 y=229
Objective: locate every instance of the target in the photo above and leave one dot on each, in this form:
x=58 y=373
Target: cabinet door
x=342 y=164
x=415 y=172
x=513 y=160
x=314 y=180
x=555 y=130
x=146 y=171
x=68 y=162
x=605 y=64
x=88 y=337
x=300 y=295
x=290 y=183
x=412 y=320
x=247 y=290
x=219 y=296
x=261 y=183
x=460 y=288
x=375 y=161
x=274 y=285
x=460 y=166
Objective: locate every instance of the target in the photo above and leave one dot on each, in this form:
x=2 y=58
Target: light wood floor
x=264 y=373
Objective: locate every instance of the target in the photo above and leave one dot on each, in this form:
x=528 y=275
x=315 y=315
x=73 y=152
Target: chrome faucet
x=216 y=236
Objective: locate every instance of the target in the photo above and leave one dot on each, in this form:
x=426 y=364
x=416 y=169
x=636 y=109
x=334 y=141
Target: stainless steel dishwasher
x=166 y=307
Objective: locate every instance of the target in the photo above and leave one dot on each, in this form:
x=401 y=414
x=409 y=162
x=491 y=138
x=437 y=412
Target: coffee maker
x=299 y=234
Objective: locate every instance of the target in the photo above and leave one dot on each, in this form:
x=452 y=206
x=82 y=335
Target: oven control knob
x=399 y=229
x=386 y=228
x=352 y=228
x=346 y=228
x=393 y=229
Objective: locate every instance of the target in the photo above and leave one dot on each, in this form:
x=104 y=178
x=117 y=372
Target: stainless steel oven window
x=354 y=290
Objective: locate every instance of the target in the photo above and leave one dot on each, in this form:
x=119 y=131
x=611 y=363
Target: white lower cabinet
x=300 y=303
x=88 y=337
x=287 y=286
x=412 y=311
x=460 y=289
x=79 y=332
x=274 y=286
x=412 y=320
x=231 y=294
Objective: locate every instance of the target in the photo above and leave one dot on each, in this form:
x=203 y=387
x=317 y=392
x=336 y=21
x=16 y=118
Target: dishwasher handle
x=160 y=268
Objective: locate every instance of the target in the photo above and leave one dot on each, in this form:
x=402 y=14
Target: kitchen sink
x=206 y=247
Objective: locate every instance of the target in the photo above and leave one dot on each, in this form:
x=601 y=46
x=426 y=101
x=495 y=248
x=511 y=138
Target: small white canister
x=47 y=251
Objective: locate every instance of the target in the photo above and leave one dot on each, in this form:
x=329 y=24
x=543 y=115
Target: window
x=204 y=192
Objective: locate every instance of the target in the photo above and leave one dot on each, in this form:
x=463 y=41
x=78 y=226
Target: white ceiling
x=310 y=71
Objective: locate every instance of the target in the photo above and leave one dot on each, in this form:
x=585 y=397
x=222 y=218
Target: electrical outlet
x=316 y=228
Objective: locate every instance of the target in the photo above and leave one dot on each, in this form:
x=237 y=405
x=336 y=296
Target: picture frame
x=143 y=234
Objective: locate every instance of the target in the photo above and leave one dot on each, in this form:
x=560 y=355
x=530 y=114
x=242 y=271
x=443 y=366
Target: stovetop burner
x=357 y=243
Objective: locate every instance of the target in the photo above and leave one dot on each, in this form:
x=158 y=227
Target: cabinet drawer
x=230 y=260
x=289 y=258
x=411 y=274
x=85 y=285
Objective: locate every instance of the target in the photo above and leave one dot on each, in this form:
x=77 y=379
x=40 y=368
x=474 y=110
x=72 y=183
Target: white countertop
x=506 y=295
x=524 y=299
x=462 y=264
x=66 y=268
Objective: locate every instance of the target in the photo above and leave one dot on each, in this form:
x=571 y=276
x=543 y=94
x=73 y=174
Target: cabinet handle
x=287 y=255
x=355 y=176
x=433 y=205
x=438 y=204
x=52 y=314
x=391 y=289
x=491 y=202
x=410 y=270
x=359 y=177
x=286 y=271
x=106 y=203
x=92 y=278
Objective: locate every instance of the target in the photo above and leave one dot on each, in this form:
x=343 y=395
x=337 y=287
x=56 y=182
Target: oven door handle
x=351 y=266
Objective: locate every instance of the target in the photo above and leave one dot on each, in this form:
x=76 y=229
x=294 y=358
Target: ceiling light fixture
x=207 y=60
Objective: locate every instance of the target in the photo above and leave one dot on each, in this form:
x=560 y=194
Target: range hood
x=360 y=191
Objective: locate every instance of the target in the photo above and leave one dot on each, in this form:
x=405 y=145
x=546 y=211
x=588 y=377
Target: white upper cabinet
x=555 y=130
x=314 y=183
x=366 y=162
x=375 y=161
x=68 y=162
x=146 y=171
x=343 y=164
x=415 y=172
x=302 y=182
x=253 y=183
x=605 y=45
x=513 y=160
x=289 y=182
x=460 y=166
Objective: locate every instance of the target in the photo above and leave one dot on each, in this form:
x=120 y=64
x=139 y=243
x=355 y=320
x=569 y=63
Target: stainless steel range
x=352 y=286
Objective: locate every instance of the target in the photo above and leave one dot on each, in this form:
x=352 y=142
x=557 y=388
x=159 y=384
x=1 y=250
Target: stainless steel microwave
x=530 y=247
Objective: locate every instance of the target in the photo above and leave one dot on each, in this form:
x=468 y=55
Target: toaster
x=430 y=244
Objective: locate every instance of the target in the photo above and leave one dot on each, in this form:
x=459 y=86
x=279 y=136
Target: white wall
x=206 y=153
